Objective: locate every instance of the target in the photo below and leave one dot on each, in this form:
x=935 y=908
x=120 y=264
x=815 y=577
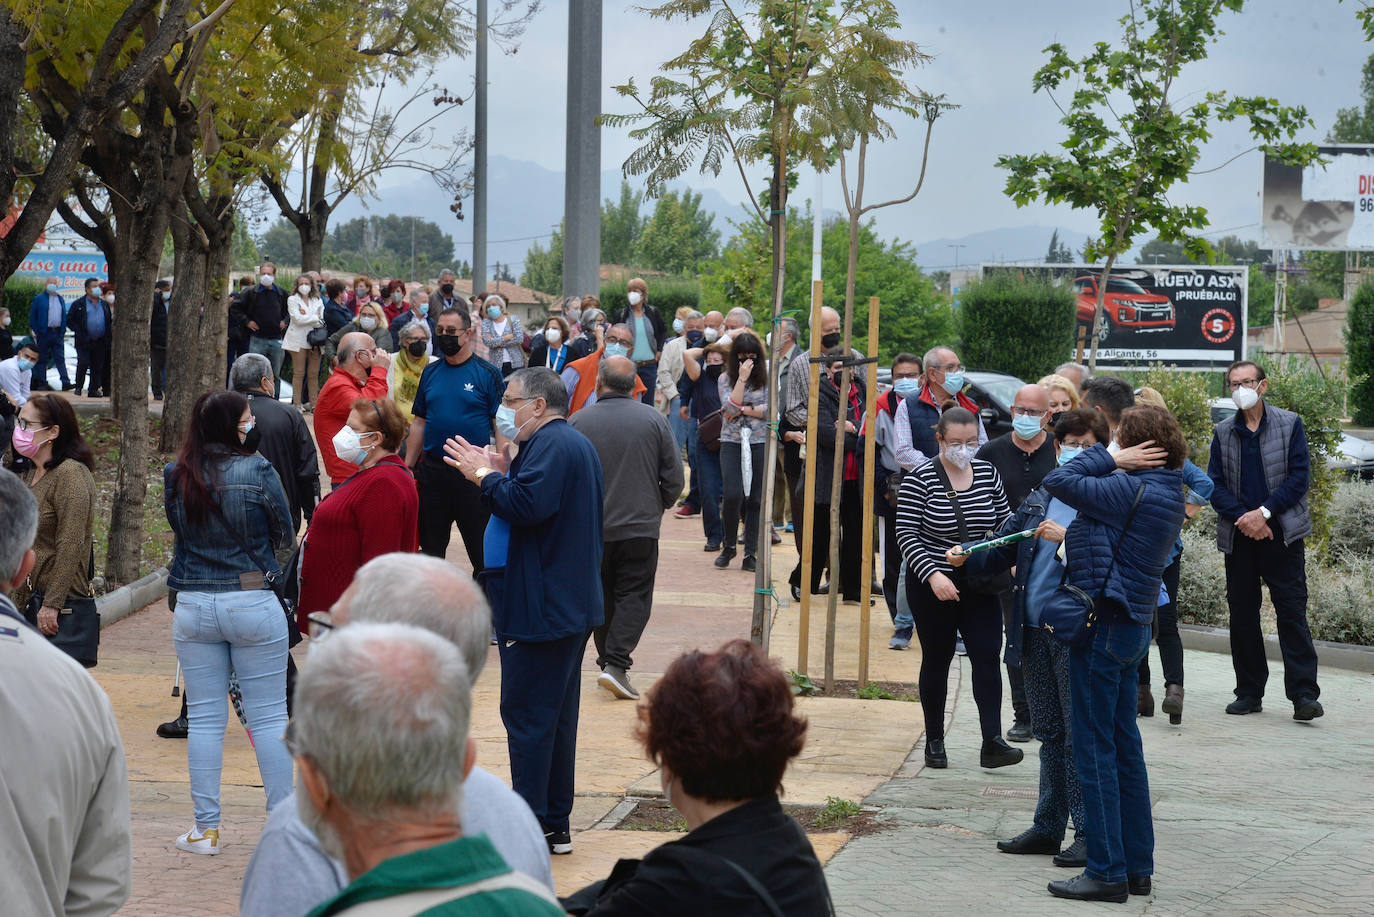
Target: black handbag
x=980 y=583
x=78 y=631
x=1070 y=614
x=317 y=337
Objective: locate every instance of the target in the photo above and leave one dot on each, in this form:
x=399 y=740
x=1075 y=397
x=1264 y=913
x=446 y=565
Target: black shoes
x=997 y=753
x=796 y=592
x=1074 y=855
x=935 y=753
x=1029 y=842
x=1306 y=709
x=749 y=565
x=560 y=842
x=1020 y=731
x=725 y=557
x=1085 y=888
x=176 y=729
x=1243 y=705
x=712 y=547
x=1138 y=885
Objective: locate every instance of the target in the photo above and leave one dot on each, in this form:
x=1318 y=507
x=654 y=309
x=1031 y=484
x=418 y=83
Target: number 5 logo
x=1218 y=326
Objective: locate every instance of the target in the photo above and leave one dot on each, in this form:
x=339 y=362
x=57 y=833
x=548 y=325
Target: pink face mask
x=24 y=444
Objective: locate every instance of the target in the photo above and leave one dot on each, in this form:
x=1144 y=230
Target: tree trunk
x=313 y=231
x=1099 y=313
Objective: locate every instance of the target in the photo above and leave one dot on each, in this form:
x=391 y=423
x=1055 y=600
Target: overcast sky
x=985 y=52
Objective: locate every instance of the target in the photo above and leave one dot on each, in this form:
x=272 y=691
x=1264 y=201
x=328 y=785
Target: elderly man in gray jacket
x=642 y=469
x=64 y=791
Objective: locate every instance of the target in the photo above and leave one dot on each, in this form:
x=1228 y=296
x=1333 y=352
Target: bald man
x=1022 y=457
x=360 y=373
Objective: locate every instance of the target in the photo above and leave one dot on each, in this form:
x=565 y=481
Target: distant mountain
x=1007 y=243
x=525 y=204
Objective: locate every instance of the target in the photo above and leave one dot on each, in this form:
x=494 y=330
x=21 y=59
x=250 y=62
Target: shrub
x=1187 y=396
x=19 y=293
x=1021 y=327
x=1359 y=349
x=1352 y=518
x=667 y=295
x=1202 y=581
x=1340 y=604
x=1295 y=386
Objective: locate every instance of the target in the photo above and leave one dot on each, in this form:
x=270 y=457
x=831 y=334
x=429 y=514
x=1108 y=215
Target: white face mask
x=367 y=323
x=960 y=456
x=636 y=297
x=5 y=322
x=710 y=334
x=1245 y=398
x=109 y=298
x=1113 y=447
x=167 y=297
x=348 y=445
x=268 y=279
x=553 y=335
x=303 y=289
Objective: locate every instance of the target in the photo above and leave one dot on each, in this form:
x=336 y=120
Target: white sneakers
x=206 y=842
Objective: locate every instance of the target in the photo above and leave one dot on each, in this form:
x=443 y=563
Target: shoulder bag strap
x=953 y=496
x=1135 y=504
x=243 y=543
x=754 y=884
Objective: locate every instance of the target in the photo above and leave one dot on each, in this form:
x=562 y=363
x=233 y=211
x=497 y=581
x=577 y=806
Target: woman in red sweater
x=375 y=511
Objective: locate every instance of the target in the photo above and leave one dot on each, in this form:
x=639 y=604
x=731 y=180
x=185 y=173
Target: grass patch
x=102 y=433
x=876 y=690
x=837 y=811
x=836 y=815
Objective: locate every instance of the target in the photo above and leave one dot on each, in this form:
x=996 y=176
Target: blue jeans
x=245 y=631
x=903 y=621
x=50 y=347
x=684 y=431
x=271 y=349
x=1107 y=750
x=708 y=469
x=1045 y=665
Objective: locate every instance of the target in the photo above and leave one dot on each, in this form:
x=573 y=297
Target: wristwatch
x=1264 y=511
x=483 y=472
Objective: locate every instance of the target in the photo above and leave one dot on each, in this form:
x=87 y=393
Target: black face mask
x=695 y=339
x=417 y=348
x=1055 y=417
x=448 y=344
x=252 y=438
x=830 y=340
x=446 y=289
x=713 y=370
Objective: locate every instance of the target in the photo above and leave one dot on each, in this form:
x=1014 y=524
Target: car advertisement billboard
x=70 y=268
x=1328 y=206
x=1183 y=315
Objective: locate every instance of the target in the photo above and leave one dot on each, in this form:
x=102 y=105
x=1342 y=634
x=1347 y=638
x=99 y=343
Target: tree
x=543 y=269
x=281 y=243
x=1058 y=253
x=621 y=226
x=1157 y=251
x=678 y=236
x=1356 y=124
x=1130 y=140
x=1359 y=345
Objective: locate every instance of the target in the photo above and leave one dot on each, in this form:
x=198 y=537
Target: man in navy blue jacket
x=48 y=325
x=549 y=501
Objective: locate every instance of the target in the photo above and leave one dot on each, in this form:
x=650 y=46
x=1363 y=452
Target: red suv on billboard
x=1128 y=307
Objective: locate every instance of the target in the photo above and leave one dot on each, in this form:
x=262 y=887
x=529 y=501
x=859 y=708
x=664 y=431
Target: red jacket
x=375 y=513
x=332 y=405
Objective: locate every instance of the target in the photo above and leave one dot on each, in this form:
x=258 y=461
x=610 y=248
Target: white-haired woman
x=503 y=336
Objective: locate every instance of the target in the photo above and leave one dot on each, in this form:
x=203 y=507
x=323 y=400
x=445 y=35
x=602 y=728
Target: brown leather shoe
x=1144 y=701
x=1173 y=703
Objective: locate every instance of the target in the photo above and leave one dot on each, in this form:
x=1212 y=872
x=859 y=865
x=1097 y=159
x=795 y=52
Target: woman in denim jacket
x=222 y=498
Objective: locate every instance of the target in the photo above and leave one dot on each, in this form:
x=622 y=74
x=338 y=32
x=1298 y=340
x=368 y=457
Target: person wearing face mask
x=236 y=342
x=912 y=427
x=1044 y=661
x=591 y=322
x=336 y=313
x=403 y=379
x=358 y=294
x=458 y=395
x=16 y=374
x=743 y=389
x=264 y=305
x=550 y=497
x=91 y=322
x=650 y=334
x=229 y=513
x=375 y=511
x=670 y=372
x=949 y=500
x=551 y=348
x=579 y=376
x=394 y=300
x=1262 y=469
x=670 y=368
x=419 y=312
x=1063 y=396
x=502 y=334
x=445 y=295
x=699 y=389
x=306 y=310
x=361 y=373
x=48 y=323
x=280 y=435
x=157 y=337
x=370 y=320
x=7 y=338
x=1022 y=457
x=906 y=382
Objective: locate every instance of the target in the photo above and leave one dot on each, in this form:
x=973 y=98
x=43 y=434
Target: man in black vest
x=1262 y=469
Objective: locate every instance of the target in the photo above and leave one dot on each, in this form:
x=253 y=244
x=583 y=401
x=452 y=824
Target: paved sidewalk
x=1254 y=815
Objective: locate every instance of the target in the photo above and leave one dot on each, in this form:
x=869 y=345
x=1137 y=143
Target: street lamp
x=956 y=248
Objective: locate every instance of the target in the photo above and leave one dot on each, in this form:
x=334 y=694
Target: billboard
x=1327 y=206
x=1189 y=316
x=70 y=268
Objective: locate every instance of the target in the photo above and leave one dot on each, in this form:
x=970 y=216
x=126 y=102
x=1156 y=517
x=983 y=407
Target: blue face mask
x=615 y=349
x=494 y=312
x=678 y=326
x=505 y=422
x=1026 y=427
x=424 y=308
x=1069 y=453
x=905 y=388
x=24 y=365
x=954 y=383
x=695 y=339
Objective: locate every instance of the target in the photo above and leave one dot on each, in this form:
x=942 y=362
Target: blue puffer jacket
x=994 y=560
x=1103 y=499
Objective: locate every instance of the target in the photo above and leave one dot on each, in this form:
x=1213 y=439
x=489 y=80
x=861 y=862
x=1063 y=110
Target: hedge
x=1359 y=349
x=17 y=297
x=1021 y=327
x=665 y=295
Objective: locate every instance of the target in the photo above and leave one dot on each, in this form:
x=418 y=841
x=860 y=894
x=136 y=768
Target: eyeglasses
x=950 y=368
x=29 y=426
x=1028 y=412
x=448 y=333
x=1077 y=444
x=511 y=402
x=610 y=339
x=1245 y=383
x=320 y=623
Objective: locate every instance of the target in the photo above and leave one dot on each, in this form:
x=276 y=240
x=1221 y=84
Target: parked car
x=993 y=393
x=1355 y=457
x=1128 y=306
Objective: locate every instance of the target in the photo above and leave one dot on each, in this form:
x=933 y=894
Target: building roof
x=513 y=293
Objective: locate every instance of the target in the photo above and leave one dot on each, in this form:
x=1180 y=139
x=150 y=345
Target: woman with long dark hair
x=227 y=508
x=743 y=391
x=951 y=499
x=47 y=434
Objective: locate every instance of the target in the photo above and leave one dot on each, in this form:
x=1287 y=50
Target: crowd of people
x=557 y=463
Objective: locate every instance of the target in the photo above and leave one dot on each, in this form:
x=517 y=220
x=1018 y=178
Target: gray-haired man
x=291 y=872
x=382 y=750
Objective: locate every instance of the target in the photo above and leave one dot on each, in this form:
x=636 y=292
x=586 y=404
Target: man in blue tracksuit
x=550 y=500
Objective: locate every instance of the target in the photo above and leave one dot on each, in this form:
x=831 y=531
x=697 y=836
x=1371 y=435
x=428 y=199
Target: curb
x=127 y=599
x=1334 y=655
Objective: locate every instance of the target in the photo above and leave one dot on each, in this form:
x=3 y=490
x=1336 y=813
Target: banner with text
x=70 y=268
x=1329 y=206
x=1191 y=317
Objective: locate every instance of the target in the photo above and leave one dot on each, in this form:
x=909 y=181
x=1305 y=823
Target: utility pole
x=479 y=159
x=412 y=248
x=956 y=252
x=582 y=164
